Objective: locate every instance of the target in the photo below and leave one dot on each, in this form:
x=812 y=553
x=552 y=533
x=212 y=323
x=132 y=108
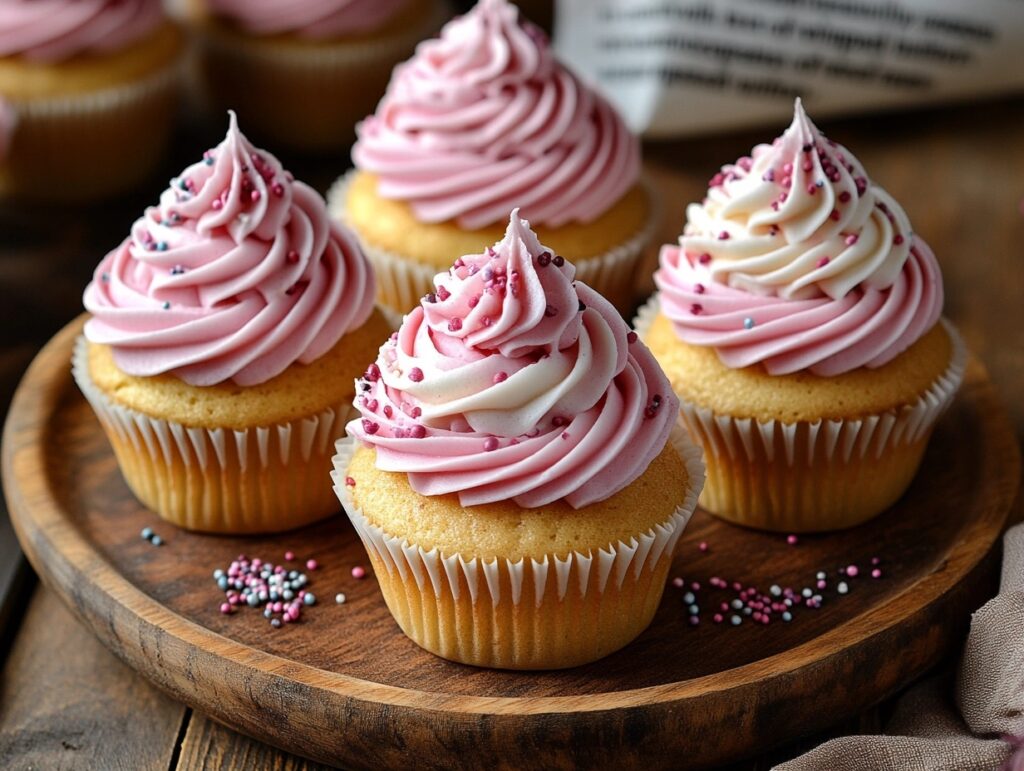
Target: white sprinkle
x=339 y=598
x=843 y=587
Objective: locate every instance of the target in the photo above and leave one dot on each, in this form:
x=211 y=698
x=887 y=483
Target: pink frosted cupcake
x=511 y=473
x=800 y=324
x=94 y=84
x=479 y=121
x=303 y=72
x=225 y=335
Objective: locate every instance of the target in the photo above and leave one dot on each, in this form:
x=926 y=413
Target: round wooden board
x=345 y=686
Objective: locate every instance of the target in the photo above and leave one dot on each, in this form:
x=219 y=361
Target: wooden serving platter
x=346 y=687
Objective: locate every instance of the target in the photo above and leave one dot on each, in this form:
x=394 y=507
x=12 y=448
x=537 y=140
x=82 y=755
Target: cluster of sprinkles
x=148 y=534
x=749 y=603
x=280 y=590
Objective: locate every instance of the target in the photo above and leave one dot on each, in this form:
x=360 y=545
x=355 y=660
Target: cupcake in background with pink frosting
x=799 y=320
x=515 y=470
x=94 y=85
x=302 y=73
x=482 y=120
x=224 y=336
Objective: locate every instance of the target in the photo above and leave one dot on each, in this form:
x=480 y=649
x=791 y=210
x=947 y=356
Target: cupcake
x=512 y=473
x=800 y=325
x=303 y=73
x=479 y=121
x=225 y=335
x=94 y=84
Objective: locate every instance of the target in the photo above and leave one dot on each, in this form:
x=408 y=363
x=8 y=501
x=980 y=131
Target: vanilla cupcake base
x=812 y=476
x=256 y=480
x=529 y=613
x=402 y=281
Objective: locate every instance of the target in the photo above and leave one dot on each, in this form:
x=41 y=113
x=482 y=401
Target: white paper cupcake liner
x=71 y=147
x=805 y=441
x=495 y=579
x=408 y=280
x=220 y=464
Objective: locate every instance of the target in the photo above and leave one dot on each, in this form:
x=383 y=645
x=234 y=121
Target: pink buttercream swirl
x=237 y=274
x=797 y=261
x=55 y=30
x=513 y=382
x=484 y=119
x=313 y=19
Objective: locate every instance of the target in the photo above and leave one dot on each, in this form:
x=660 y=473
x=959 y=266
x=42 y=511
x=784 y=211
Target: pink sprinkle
x=694 y=620
x=500 y=377
x=737 y=586
x=454 y=325
x=490 y=444
x=845 y=196
x=417 y=432
x=370 y=427
x=277 y=607
x=852 y=571
x=851 y=239
x=724 y=606
x=704 y=259
x=678 y=583
x=288 y=555
x=823 y=262
x=565 y=434
x=311 y=564
x=631 y=337
x=822 y=584
x=278 y=189
x=699 y=288
x=718 y=618
x=695 y=585
x=875 y=560
x=416 y=374
x=723 y=236
x=898 y=239
x=216 y=204
x=255 y=195
x=792 y=540
x=812 y=189
x=359 y=572
x=225 y=608
x=442 y=293
x=876 y=573
x=696 y=309
x=703 y=546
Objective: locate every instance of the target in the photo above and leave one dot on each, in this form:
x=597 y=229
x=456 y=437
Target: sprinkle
x=340 y=598
x=417 y=432
x=852 y=571
x=842 y=587
x=703 y=546
x=787 y=616
x=372 y=373
x=558 y=261
x=289 y=556
x=898 y=239
x=845 y=196
x=311 y=565
x=678 y=582
x=792 y=540
x=724 y=236
x=292 y=256
x=812 y=189
x=748 y=323
x=416 y=374
x=443 y=294
x=775 y=590
x=704 y=259
x=167 y=305
x=550 y=310
x=689 y=598
x=735 y=620
x=370 y=427
x=631 y=337
x=309 y=599
x=490 y=444
x=147 y=533
x=454 y=325
x=226 y=608
x=499 y=377
x=876 y=573
x=359 y=572
x=696 y=309
x=157 y=540
x=718 y=618
x=699 y=288
x=276 y=623
x=875 y=560
x=544 y=259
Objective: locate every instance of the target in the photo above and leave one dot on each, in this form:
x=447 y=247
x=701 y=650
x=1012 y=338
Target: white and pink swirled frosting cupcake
x=224 y=336
x=800 y=324
x=303 y=72
x=514 y=456
x=481 y=120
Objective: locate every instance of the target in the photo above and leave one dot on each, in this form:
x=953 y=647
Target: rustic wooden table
x=65 y=702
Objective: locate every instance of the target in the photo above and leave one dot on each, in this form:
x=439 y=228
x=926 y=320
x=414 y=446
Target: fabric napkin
x=984 y=731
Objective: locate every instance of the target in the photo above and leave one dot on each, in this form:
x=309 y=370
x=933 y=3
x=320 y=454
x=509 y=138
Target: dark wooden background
x=66 y=702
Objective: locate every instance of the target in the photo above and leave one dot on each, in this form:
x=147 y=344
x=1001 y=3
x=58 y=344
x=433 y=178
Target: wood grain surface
x=345 y=682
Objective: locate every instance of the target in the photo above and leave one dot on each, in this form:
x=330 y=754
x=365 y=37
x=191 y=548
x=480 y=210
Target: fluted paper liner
x=818 y=475
x=89 y=144
x=255 y=480
x=307 y=96
x=520 y=614
x=402 y=281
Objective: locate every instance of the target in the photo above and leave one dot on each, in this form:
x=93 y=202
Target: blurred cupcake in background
x=801 y=325
x=94 y=86
x=302 y=73
x=479 y=121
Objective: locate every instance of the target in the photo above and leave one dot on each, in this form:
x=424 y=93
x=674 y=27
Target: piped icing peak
x=237 y=274
x=55 y=30
x=797 y=260
x=485 y=118
x=513 y=382
x=314 y=19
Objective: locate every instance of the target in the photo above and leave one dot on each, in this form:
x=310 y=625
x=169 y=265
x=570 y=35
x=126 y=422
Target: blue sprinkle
x=167 y=305
x=209 y=161
x=253 y=600
x=820 y=183
x=787 y=616
x=161 y=246
x=747 y=611
x=689 y=598
x=105 y=277
x=775 y=590
x=275 y=622
x=735 y=620
x=737 y=604
x=157 y=541
x=748 y=323
x=694 y=610
x=288 y=595
x=309 y=598
x=222 y=583
x=217 y=574
x=147 y=533
x=268 y=613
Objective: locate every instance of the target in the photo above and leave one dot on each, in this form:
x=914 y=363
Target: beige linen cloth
x=926 y=732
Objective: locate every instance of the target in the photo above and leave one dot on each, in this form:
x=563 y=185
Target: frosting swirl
x=314 y=19
x=55 y=30
x=485 y=118
x=513 y=382
x=796 y=260
x=236 y=274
